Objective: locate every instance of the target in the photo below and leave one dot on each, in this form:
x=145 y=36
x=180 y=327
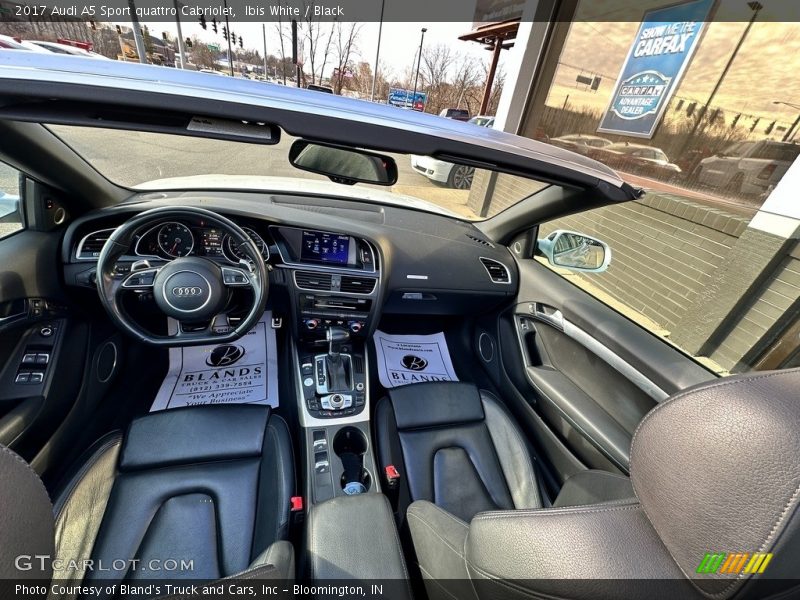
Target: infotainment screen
x=325 y=247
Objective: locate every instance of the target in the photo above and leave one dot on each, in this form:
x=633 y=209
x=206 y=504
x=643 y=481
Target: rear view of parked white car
x=747 y=168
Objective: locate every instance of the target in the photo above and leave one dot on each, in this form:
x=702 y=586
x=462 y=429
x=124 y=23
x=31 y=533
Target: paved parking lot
x=132 y=158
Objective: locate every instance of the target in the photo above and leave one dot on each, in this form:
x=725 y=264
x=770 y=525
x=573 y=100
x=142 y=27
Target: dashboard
x=336 y=262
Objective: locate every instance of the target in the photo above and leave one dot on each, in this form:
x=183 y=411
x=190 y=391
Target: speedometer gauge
x=234 y=254
x=175 y=240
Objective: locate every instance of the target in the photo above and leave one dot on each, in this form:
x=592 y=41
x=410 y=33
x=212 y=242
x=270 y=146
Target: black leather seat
x=715 y=470
x=455 y=446
x=211 y=485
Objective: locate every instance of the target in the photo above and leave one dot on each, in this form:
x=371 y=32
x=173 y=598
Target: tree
x=279 y=29
x=319 y=43
x=467 y=77
x=497 y=90
x=201 y=55
x=346 y=48
x=148 y=41
x=434 y=69
x=326 y=51
x=105 y=41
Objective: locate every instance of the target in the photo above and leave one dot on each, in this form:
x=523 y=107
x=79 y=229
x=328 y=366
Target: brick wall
x=665 y=249
x=775 y=301
x=508 y=190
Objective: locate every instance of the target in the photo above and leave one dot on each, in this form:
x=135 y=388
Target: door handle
x=548 y=314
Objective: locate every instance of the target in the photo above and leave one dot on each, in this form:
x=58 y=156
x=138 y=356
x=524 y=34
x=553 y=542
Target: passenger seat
x=455 y=446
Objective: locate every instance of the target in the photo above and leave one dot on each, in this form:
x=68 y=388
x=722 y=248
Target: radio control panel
x=318 y=312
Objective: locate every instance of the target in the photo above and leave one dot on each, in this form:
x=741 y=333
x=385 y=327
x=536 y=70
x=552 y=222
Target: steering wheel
x=192 y=290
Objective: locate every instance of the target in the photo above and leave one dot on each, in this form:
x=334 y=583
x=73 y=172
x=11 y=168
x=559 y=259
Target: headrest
x=436 y=403
x=194 y=434
x=717 y=470
x=27 y=530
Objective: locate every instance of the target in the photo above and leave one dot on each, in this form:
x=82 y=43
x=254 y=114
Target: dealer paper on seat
x=241 y=372
x=404 y=359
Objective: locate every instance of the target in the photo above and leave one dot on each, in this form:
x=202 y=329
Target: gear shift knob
x=336 y=336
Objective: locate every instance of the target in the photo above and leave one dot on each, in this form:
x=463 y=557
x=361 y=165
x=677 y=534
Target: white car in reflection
x=455 y=176
x=452 y=175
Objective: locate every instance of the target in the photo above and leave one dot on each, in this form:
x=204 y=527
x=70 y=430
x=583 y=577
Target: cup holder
x=350 y=442
x=350 y=439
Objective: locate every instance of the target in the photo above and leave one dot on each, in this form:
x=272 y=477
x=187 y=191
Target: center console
x=334 y=285
x=334 y=279
x=356 y=539
x=333 y=382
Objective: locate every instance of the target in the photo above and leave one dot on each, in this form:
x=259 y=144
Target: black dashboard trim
x=406 y=242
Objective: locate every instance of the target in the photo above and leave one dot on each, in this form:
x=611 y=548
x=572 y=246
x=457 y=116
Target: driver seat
x=196 y=493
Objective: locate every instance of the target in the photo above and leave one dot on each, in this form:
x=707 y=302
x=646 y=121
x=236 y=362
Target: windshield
x=151 y=161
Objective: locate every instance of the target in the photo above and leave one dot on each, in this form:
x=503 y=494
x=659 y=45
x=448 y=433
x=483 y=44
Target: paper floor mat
x=242 y=372
x=405 y=359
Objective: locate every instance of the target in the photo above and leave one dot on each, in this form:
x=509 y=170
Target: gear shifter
x=339 y=371
x=336 y=336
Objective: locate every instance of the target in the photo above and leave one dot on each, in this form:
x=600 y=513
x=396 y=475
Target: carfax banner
x=656 y=61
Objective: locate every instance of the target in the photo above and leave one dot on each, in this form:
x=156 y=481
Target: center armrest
x=355 y=537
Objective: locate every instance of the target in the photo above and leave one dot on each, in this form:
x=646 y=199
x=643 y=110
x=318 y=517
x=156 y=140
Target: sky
x=763 y=73
x=399 y=41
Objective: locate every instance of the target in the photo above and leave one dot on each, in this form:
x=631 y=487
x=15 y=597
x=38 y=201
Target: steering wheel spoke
x=219 y=325
x=236 y=277
x=141 y=280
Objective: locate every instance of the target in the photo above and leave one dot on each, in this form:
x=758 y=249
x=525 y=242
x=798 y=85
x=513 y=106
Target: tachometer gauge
x=175 y=240
x=234 y=254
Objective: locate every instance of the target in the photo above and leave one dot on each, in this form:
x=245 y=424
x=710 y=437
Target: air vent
x=480 y=241
x=91 y=245
x=313 y=281
x=498 y=272
x=357 y=285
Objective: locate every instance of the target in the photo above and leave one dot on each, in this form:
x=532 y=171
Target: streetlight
x=788 y=135
x=419 y=59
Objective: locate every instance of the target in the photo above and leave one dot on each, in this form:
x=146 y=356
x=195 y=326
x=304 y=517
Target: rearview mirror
x=575 y=251
x=343 y=165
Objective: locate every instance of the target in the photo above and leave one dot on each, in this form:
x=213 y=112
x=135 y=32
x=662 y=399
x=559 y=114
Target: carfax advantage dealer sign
x=659 y=55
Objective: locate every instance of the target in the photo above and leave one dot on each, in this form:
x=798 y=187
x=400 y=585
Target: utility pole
x=377 y=53
x=264 y=35
x=788 y=135
x=230 y=52
x=416 y=77
x=294 y=54
x=181 y=49
x=137 y=34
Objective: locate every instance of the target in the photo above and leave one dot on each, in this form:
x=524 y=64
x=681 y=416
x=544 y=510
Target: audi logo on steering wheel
x=187 y=291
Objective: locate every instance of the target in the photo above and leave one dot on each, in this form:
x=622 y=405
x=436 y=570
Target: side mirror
x=575 y=251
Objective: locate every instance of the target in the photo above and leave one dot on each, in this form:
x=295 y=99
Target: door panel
x=40 y=373
x=589 y=373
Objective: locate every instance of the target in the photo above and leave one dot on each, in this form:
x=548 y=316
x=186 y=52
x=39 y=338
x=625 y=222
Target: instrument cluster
x=175 y=239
